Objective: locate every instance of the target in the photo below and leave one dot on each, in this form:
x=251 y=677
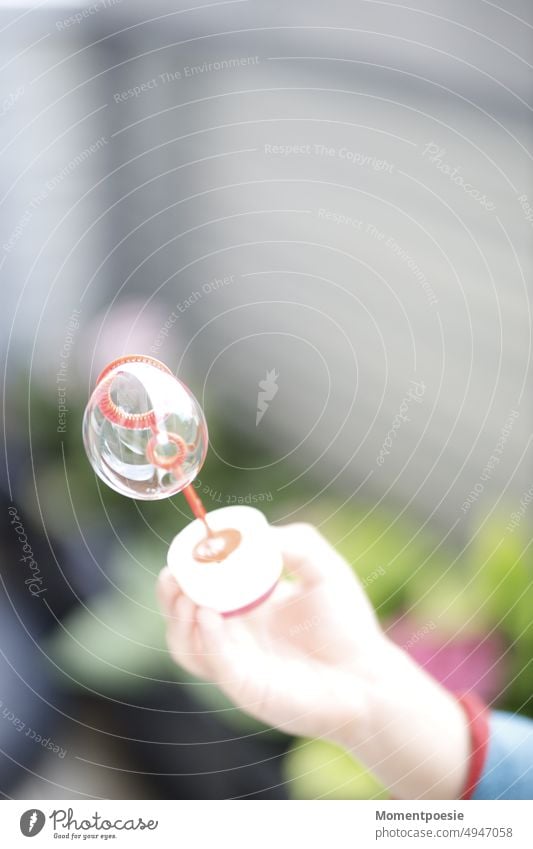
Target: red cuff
x=477 y=715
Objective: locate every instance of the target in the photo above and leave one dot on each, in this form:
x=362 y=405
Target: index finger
x=308 y=555
x=167 y=590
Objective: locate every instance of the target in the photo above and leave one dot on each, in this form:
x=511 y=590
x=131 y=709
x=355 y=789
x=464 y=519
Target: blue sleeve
x=508 y=770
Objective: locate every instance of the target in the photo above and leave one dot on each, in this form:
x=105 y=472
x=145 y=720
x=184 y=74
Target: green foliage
x=316 y=769
x=383 y=549
x=502 y=585
x=501 y=565
x=116 y=643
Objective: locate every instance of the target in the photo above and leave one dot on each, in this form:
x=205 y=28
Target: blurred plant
x=502 y=585
x=316 y=769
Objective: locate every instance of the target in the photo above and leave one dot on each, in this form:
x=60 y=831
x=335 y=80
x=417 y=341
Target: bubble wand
x=146 y=437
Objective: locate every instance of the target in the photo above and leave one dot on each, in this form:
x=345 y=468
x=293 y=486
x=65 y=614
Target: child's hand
x=295 y=660
x=312 y=660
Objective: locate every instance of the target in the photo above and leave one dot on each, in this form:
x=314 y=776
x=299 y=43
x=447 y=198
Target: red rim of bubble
x=131 y=358
x=112 y=412
x=167 y=462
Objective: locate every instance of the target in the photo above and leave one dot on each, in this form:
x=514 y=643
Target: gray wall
x=187 y=190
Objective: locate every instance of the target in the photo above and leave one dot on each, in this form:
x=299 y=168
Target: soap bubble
x=144 y=432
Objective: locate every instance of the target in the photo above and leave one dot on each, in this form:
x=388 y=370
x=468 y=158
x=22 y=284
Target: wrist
x=407 y=729
x=358 y=687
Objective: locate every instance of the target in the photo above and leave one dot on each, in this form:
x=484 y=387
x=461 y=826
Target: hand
x=292 y=661
x=313 y=660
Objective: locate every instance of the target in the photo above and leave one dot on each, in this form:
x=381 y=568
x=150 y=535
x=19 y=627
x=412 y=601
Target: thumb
x=233 y=659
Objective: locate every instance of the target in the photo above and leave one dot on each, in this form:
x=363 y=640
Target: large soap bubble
x=144 y=432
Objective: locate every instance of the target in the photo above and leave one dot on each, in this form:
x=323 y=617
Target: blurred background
x=326 y=206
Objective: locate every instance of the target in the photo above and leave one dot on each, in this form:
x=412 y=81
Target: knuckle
x=307 y=531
